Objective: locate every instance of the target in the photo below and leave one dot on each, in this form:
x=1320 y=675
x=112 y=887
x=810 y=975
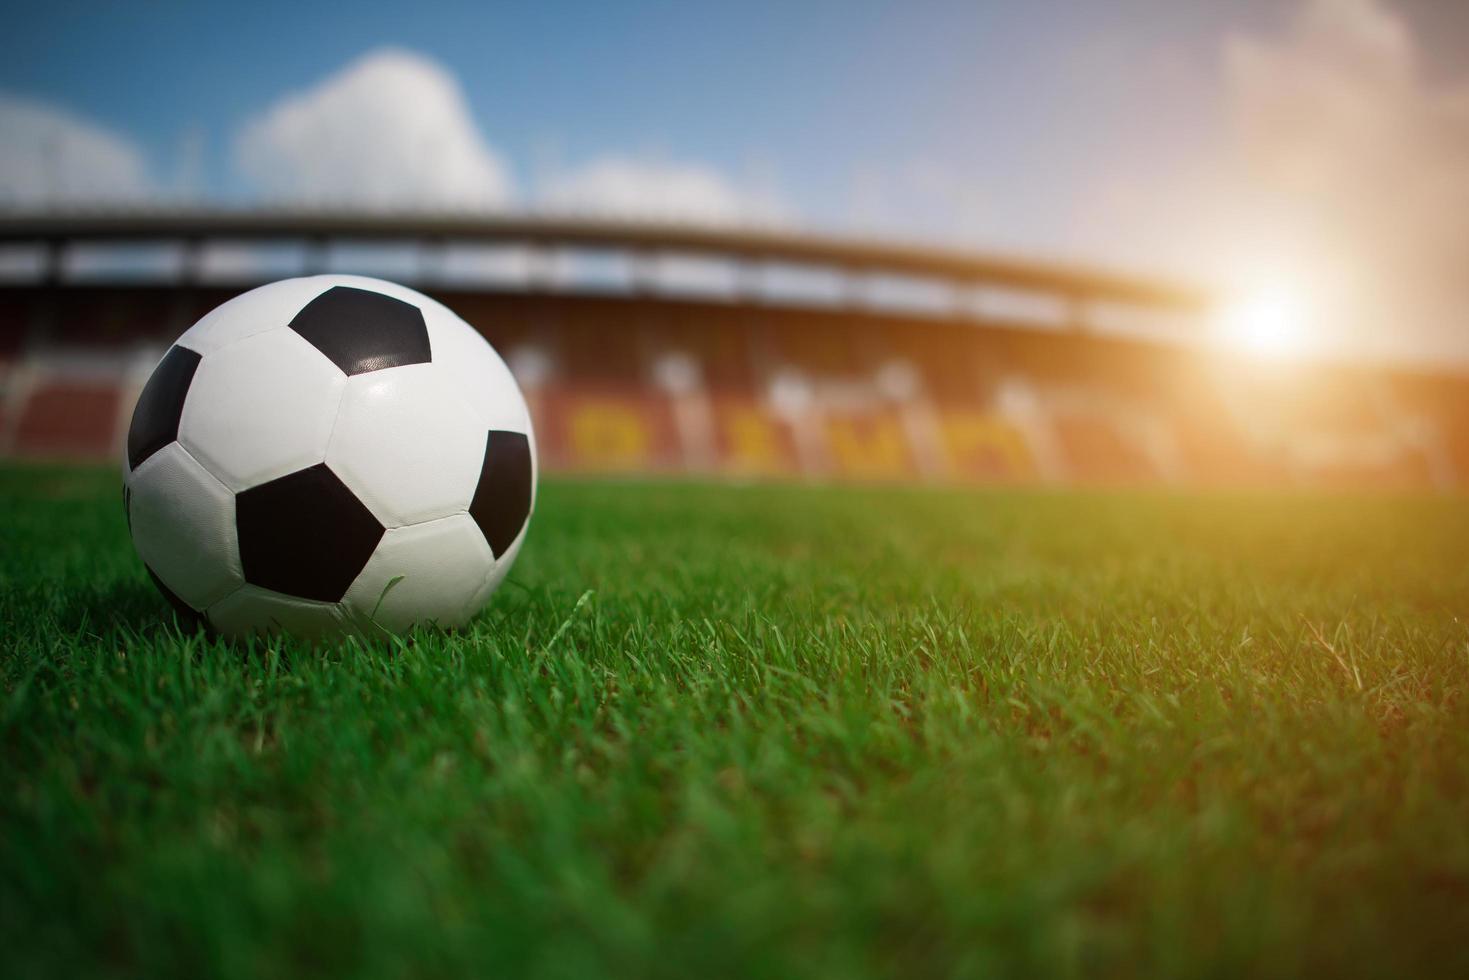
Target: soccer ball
x=326 y=455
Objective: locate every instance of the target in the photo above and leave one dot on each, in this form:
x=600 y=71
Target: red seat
x=69 y=418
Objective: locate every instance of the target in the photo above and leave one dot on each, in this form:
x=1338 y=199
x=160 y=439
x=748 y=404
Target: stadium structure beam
x=746 y=245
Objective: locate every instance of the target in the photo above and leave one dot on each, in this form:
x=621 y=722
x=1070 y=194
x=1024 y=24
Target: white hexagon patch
x=261 y=408
x=250 y=313
x=433 y=572
x=407 y=445
x=183 y=523
x=253 y=610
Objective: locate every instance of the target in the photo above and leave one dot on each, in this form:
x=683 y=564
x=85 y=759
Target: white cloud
x=391 y=129
x=623 y=187
x=51 y=157
x=1365 y=160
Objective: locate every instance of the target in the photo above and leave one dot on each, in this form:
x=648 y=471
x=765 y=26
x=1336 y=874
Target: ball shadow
x=130 y=607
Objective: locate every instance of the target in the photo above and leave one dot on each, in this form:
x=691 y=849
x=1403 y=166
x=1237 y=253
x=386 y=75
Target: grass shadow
x=129 y=606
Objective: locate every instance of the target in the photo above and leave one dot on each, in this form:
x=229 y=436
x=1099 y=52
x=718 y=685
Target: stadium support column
x=314 y=262
x=681 y=379
x=792 y=399
x=856 y=289
x=191 y=269
x=14 y=394
x=749 y=279
x=540 y=272
x=25 y=377
x=1022 y=406
x=900 y=384
x=961 y=300
x=643 y=273
x=433 y=262
x=191 y=263
x=43 y=313
x=1078 y=319
x=762 y=360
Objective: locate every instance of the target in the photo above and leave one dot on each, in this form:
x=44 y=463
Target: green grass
x=775 y=730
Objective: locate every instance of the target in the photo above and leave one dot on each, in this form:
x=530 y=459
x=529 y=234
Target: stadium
x=676 y=349
x=884 y=534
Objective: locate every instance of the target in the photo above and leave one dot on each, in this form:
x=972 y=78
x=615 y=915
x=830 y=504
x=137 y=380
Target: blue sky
x=814 y=97
x=817 y=93
x=1107 y=132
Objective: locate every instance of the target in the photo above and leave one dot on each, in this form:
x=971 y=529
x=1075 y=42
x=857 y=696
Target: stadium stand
x=651 y=377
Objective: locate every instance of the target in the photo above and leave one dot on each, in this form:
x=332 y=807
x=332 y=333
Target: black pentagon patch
x=363 y=331
x=304 y=534
x=501 y=501
x=156 y=418
x=188 y=615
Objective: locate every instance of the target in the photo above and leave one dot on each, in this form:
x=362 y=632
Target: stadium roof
x=744 y=243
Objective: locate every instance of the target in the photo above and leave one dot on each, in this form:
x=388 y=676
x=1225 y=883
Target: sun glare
x=1269 y=324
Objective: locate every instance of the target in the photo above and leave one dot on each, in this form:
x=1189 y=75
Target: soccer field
x=773 y=730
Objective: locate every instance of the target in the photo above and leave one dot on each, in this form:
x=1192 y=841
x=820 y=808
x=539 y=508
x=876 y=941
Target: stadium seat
x=69 y=419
